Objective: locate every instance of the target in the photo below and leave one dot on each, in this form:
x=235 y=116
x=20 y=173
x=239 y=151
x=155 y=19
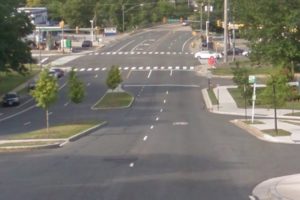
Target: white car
x=207 y=54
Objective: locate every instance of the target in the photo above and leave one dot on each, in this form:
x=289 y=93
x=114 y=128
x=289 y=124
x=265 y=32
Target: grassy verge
x=273 y=133
x=254 y=122
x=212 y=97
x=11 y=80
x=240 y=101
x=225 y=69
x=55 y=132
x=19 y=144
x=114 y=100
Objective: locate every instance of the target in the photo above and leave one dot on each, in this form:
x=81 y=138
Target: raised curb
x=56 y=145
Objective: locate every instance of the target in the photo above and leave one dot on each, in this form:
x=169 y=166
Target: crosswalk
x=140 y=53
x=138 y=68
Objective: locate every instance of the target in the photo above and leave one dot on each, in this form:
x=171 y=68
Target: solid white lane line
x=27 y=123
x=151 y=127
x=184 y=44
x=145 y=138
x=131 y=164
x=149 y=74
x=128 y=74
x=44 y=60
x=125 y=45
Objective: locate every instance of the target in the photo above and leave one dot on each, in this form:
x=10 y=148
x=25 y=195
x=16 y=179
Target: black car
x=11 y=99
x=56 y=72
x=237 y=51
x=87 y=43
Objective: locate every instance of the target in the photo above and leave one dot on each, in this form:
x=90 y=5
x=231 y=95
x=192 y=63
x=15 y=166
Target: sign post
x=252 y=80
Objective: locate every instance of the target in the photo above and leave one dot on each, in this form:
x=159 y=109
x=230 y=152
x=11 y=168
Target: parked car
x=11 y=99
x=207 y=54
x=237 y=51
x=87 y=43
x=56 y=72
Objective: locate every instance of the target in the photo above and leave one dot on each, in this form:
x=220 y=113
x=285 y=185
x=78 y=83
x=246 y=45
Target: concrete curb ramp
x=57 y=142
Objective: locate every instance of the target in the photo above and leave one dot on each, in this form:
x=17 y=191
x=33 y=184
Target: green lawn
x=115 y=100
x=225 y=69
x=273 y=133
x=240 y=101
x=55 y=132
x=212 y=97
x=11 y=80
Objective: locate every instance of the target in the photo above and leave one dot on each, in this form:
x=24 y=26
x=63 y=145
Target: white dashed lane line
x=157 y=118
x=145 y=138
x=131 y=164
x=165 y=101
x=66 y=104
x=151 y=127
x=161 y=110
x=27 y=123
x=96 y=76
x=50 y=113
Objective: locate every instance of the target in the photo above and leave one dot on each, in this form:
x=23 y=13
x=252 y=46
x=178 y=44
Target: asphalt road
x=165 y=147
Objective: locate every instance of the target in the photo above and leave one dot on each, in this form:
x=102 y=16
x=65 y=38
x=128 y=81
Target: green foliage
x=240 y=78
x=14 y=52
x=114 y=77
x=76 y=88
x=274 y=38
x=278 y=81
x=46 y=90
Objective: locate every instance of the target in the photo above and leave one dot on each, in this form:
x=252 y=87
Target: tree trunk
x=47 y=121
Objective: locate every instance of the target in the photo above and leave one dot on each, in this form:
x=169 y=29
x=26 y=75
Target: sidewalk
x=280 y=188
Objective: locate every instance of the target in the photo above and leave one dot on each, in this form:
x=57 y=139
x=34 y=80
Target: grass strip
x=212 y=97
x=114 y=100
x=18 y=144
x=55 y=132
x=273 y=133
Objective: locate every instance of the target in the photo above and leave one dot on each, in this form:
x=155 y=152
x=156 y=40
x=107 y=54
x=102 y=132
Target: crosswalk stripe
x=144 y=52
x=114 y=53
x=96 y=53
x=82 y=69
x=133 y=68
x=89 y=69
x=140 y=68
x=192 y=67
x=104 y=68
x=102 y=53
x=108 y=53
x=97 y=69
x=162 y=53
x=126 y=68
x=132 y=52
x=75 y=70
x=184 y=67
x=120 y=53
x=155 y=67
x=156 y=53
x=162 y=67
x=177 y=67
x=150 y=52
x=168 y=53
x=174 y=53
x=148 y=67
x=126 y=52
x=170 y=67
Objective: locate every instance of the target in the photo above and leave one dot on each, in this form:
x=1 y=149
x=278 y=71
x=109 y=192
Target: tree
x=14 y=52
x=45 y=92
x=76 y=88
x=114 y=77
x=278 y=81
x=272 y=27
x=240 y=78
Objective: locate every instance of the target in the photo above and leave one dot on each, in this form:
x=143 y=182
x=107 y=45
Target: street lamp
x=92 y=30
x=124 y=11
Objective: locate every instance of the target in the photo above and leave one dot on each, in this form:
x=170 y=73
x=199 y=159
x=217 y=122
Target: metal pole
x=40 y=54
x=245 y=97
x=253 y=102
x=275 y=108
x=123 y=18
x=207 y=22
x=63 y=41
x=201 y=18
x=225 y=30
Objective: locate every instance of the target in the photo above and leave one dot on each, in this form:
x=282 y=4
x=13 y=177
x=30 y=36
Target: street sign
x=252 y=79
x=212 y=61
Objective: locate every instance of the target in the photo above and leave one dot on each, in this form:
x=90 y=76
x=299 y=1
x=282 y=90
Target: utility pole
x=225 y=30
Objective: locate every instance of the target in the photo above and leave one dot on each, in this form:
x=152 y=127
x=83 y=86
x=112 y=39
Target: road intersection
x=166 y=146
